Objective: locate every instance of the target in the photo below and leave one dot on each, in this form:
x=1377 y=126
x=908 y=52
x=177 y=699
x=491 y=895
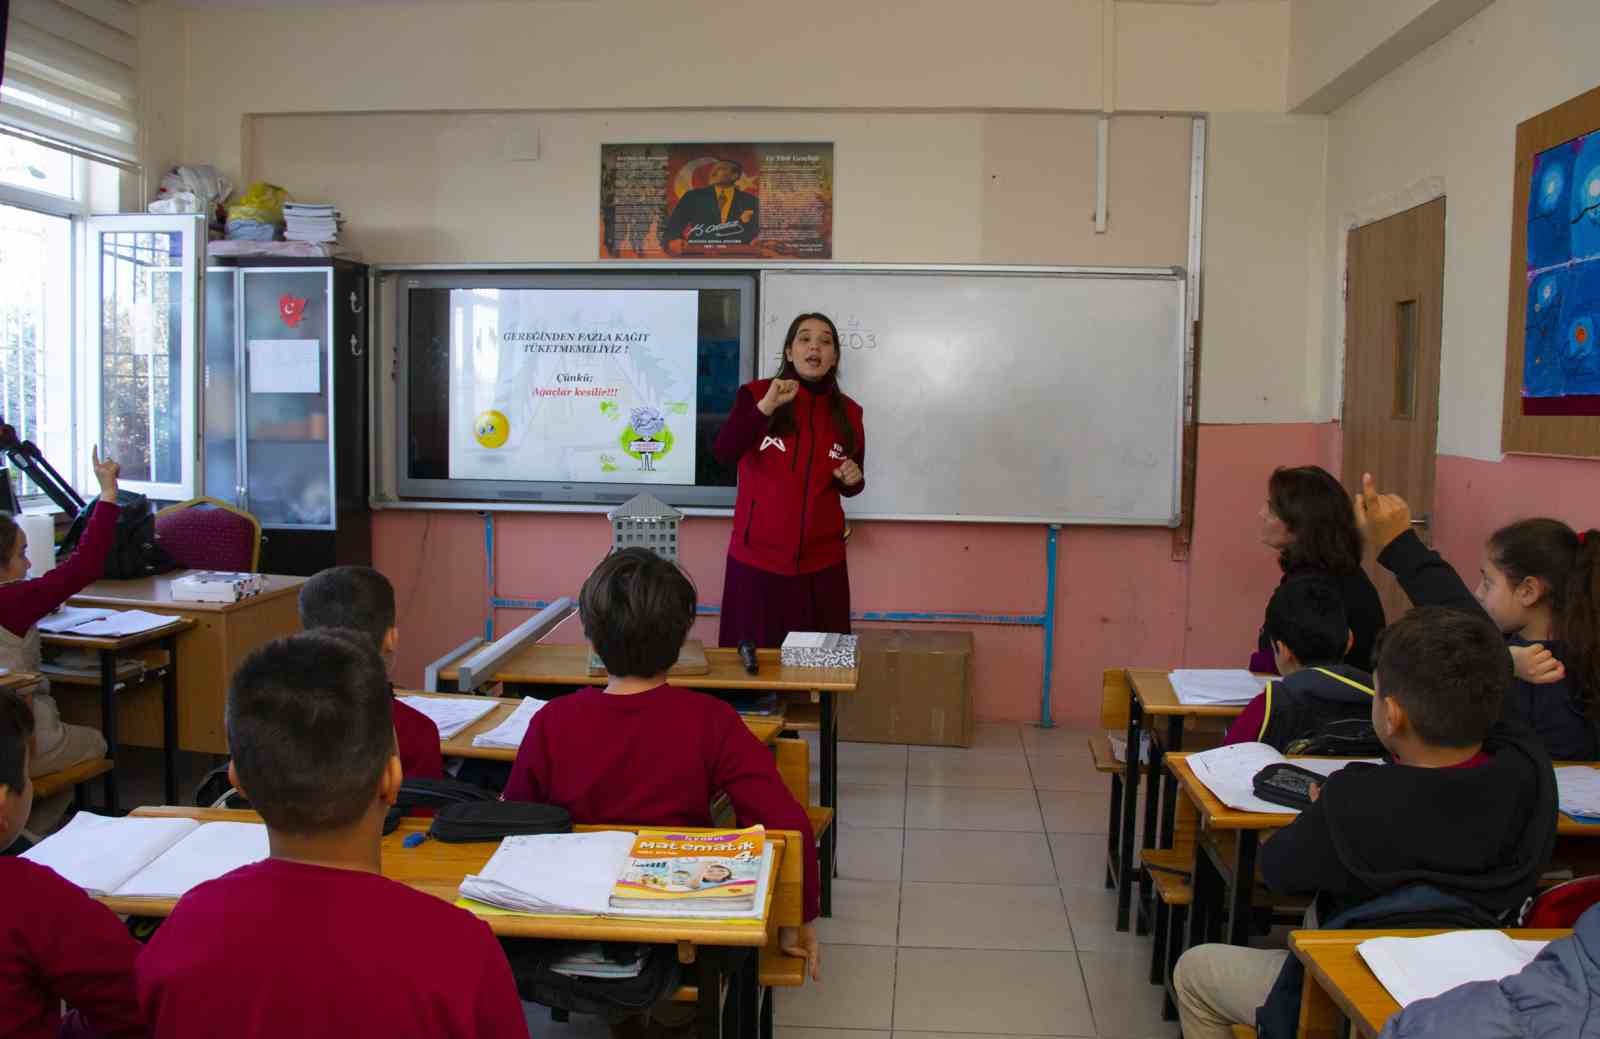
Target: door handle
x=1425 y=520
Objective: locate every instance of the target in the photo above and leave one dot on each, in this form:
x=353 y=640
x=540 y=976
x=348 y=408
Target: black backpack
x=135 y=549
x=1345 y=738
x=611 y=999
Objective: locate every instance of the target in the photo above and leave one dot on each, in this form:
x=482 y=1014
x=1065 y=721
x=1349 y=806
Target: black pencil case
x=1284 y=784
x=492 y=820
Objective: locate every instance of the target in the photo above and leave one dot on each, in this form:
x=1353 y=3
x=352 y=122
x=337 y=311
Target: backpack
x=612 y=999
x=135 y=549
x=1345 y=738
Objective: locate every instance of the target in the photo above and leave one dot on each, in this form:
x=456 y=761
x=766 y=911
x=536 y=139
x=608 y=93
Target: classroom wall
x=1446 y=121
x=1338 y=48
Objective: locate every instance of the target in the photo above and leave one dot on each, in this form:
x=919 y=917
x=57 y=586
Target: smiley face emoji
x=491 y=428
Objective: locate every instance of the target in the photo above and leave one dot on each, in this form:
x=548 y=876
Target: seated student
x=57 y=945
x=1540 y=587
x=361 y=599
x=1468 y=809
x=23 y=603
x=1309 y=637
x=642 y=751
x=313 y=940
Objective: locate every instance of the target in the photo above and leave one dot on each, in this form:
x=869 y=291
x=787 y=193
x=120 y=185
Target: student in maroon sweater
x=57 y=945
x=314 y=940
x=643 y=752
x=362 y=599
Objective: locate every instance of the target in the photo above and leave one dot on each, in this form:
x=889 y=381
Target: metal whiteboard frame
x=1182 y=346
x=385 y=495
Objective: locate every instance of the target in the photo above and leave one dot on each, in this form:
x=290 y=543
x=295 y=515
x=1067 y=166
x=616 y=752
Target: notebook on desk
x=150 y=858
x=1420 y=968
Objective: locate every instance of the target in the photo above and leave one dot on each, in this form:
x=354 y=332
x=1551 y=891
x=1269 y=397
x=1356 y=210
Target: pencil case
x=492 y=820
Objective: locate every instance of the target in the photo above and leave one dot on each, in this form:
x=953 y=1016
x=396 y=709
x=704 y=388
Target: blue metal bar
x=1052 y=538
x=1026 y=620
x=488 y=574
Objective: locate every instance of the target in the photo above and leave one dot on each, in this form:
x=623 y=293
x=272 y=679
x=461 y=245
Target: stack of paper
x=1229 y=773
x=590 y=961
x=69 y=617
x=508 y=734
x=1420 y=968
x=311 y=222
x=450 y=715
x=1215 y=687
x=147 y=858
x=562 y=873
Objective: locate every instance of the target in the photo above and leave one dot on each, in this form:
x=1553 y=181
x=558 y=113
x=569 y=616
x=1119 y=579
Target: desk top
x=155 y=593
x=1331 y=958
x=18 y=679
x=437 y=868
x=178 y=626
x=1153 y=687
x=554 y=664
x=1218 y=816
x=764 y=728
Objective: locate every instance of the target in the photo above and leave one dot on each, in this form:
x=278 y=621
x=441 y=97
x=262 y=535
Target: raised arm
x=1428 y=580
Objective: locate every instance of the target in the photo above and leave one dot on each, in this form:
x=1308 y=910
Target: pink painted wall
x=1473 y=498
x=1121 y=599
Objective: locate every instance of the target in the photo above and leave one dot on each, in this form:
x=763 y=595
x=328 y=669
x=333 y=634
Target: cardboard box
x=913 y=687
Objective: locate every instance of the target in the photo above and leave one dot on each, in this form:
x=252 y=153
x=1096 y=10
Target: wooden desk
x=208 y=653
x=1151 y=694
x=109 y=651
x=568 y=665
x=1339 y=986
x=764 y=728
x=723 y=951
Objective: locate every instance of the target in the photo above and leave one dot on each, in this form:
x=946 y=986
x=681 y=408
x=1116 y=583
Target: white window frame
x=193 y=230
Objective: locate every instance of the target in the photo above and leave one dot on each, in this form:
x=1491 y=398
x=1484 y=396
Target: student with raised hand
x=1455 y=831
x=24 y=602
x=1540 y=585
x=643 y=752
x=1306 y=520
x=314 y=940
x=1318 y=692
x=57 y=945
x=359 y=598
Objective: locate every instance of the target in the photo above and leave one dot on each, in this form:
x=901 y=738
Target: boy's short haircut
x=1307 y=615
x=355 y=597
x=16 y=732
x=1449 y=669
x=311 y=729
x=636 y=610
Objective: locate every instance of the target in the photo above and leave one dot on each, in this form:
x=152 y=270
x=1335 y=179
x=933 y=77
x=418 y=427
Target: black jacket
x=1552 y=711
x=1308 y=701
x=1363 y=612
x=698 y=213
x=1483 y=833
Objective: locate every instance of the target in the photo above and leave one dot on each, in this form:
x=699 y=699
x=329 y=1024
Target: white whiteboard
x=1013 y=396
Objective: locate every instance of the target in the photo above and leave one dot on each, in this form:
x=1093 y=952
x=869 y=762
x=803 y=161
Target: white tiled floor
x=971 y=901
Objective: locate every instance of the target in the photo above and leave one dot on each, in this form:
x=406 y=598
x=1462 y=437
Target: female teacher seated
x=800 y=446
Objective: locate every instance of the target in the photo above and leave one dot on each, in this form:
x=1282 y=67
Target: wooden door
x=1394 y=307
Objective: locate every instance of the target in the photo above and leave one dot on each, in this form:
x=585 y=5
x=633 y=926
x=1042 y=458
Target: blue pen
x=413 y=839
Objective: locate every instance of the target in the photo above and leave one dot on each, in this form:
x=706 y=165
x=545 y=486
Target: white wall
x=1449 y=117
x=1338 y=48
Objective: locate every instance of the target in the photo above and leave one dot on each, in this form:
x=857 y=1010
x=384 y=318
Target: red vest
x=787 y=518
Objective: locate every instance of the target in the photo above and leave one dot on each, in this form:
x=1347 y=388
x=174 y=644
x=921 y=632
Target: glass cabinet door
x=288 y=415
x=145 y=274
x=221 y=388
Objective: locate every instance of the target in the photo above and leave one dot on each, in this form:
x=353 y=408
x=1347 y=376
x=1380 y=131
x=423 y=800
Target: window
x=36 y=341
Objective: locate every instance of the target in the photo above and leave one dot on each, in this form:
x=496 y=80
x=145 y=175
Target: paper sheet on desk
x=67 y=619
x=285 y=366
x=118 y=623
x=508 y=734
x=1229 y=773
x=1578 y=791
x=1420 y=968
x=1214 y=687
x=451 y=716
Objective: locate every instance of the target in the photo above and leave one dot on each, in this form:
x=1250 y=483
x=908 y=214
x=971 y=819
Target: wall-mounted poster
x=760 y=201
x=1561 y=358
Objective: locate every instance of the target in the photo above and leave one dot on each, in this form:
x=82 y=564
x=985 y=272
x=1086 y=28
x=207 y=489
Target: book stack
x=719 y=874
x=216 y=586
x=311 y=222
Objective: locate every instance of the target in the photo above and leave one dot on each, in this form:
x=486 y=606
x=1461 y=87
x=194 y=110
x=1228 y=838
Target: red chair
x=207 y=534
x=1563 y=904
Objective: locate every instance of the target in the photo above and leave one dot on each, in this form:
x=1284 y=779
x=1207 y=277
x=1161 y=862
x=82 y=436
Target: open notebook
x=1419 y=968
x=1213 y=687
x=508 y=734
x=147 y=858
x=1229 y=772
x=719 y=875
x=450 y=715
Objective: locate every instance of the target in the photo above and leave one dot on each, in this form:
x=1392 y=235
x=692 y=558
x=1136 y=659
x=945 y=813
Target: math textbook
x=720 y=868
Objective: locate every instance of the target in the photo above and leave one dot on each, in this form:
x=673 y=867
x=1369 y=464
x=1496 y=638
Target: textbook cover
x=720 y=868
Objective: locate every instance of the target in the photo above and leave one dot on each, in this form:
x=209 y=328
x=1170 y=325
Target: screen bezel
x=553 y=492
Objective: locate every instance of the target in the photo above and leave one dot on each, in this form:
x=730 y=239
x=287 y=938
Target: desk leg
x=1169 y=784
x=710 y=972
x=749 y=998
x=1319 y=1017
x=1130 y=801
x=768 y=1008
x=108 y=720
x=169 y=719
x=1203 y=905
x=830 y=799
x=1152 y=805
x=1242 y=889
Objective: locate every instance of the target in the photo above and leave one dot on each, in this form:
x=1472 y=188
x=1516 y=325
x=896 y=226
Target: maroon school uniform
x=656 y=758
x=418 y=739
x=59 y=945
x=24 y=603
x=287 y=949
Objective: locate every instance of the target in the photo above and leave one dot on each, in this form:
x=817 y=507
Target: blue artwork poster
x=1561 y=357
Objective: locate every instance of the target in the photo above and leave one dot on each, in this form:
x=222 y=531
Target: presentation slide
x=579 y=385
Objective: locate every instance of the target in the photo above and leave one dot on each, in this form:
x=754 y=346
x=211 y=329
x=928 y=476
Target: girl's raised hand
x=106 y=471
x=1381 y=517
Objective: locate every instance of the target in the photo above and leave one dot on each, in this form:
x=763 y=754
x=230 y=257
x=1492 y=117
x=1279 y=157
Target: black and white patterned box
x=818 y=649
